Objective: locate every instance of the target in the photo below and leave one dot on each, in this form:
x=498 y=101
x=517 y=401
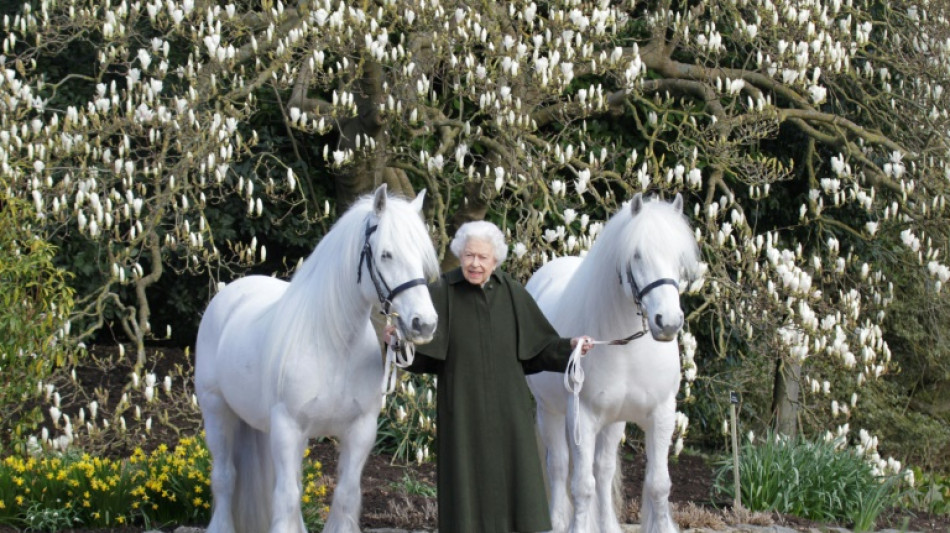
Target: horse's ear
x=678 y=203
x=417 y=203
x=379 y=199
x=636 y=204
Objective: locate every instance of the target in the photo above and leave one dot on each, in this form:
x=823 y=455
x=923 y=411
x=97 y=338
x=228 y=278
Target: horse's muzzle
x=420 y=329
x=664 y=328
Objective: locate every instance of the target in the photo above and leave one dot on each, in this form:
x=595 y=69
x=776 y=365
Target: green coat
x=489 y=470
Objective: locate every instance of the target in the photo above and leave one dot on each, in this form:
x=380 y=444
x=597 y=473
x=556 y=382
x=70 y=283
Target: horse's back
x=234 y=310
x=547 y=283
x=546 y=286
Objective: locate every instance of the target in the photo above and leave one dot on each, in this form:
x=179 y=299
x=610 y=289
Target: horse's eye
x=386 y=255
x=636 y=256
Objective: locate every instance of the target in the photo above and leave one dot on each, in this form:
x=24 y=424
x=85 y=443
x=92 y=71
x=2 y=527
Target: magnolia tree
x=123 y=155
x=809 y=138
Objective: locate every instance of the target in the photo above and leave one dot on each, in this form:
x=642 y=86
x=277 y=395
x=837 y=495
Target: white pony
x=633 y=267
x=278 y=363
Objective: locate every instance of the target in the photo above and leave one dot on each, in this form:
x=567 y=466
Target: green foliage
x=40 y=518
x=812 y=480
x=869 y=503
x=913 y=409
x=915 y=436
x=407 y=425
x=719 y=375
x=164 y=487
x=930 y=493
x=414 y=487
x=35 y=303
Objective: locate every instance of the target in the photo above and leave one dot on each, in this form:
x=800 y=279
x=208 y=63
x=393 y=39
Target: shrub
x=930 y=493
x=166 y=486
x=35 y=302
x=817 y=481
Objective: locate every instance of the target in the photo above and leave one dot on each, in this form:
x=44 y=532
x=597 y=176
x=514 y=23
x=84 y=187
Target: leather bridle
x=385 y=294
x=639 y=294
x=401 y=352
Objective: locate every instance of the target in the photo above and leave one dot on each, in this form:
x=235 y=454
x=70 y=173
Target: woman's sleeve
x=430 y=356
x=540 y=347
x=552 y=357
x=423 y=364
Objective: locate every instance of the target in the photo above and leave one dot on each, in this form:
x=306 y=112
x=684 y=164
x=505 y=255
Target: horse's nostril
x=659 y=320
x=421 y=327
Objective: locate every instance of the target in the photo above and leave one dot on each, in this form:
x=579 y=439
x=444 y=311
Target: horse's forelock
x=658 y=229
x=402 y=230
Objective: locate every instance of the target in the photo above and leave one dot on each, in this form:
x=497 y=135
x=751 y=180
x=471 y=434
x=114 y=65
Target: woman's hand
x=388 y=336
x=587 y=343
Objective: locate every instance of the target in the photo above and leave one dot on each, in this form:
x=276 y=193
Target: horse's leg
x=355 y=446
x=221 y=425
x=605 y=468
x=581 y=435
x=287 y=444
x=656 y=516
x=551 y=425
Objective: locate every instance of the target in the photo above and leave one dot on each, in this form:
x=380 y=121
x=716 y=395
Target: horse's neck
x=324 y=306
x=596 y=300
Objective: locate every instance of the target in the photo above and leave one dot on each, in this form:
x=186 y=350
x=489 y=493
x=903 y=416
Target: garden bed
x=397 y=495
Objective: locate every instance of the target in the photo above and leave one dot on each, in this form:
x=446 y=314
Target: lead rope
x=401 y=355
x=574 y=382
x=574 y=373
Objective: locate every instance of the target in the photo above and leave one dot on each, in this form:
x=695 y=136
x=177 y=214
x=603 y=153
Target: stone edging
x=629 y=528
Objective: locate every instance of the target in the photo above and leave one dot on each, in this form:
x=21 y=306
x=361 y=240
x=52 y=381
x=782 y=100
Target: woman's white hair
x=482 y=230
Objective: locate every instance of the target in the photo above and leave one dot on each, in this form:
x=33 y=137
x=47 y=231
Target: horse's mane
x=659 y=230
x=318 y=309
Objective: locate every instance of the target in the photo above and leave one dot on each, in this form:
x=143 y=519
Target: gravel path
x=635 y=528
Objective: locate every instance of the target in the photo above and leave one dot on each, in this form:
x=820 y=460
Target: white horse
x=278 y=363
x=632 y=268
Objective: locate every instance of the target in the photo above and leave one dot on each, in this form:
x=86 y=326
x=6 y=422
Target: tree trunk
x=369 y=170
x=786 y=398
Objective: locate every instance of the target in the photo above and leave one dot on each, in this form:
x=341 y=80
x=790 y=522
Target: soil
x=402 y=496
x=387 y=504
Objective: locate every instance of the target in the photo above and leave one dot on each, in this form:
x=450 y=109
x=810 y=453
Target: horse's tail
x=253 y=488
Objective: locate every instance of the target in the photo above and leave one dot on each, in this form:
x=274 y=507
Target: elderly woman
x=490 y=334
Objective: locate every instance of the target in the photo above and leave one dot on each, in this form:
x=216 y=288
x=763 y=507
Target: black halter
x=640 y=293
x=382 y=288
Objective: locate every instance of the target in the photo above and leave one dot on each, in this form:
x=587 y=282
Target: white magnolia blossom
x=477 y=91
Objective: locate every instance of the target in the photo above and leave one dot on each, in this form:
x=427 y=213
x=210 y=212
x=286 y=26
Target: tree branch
x=836 y=120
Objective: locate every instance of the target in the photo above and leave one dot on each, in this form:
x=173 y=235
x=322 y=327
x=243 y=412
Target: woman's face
x=478 y=261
